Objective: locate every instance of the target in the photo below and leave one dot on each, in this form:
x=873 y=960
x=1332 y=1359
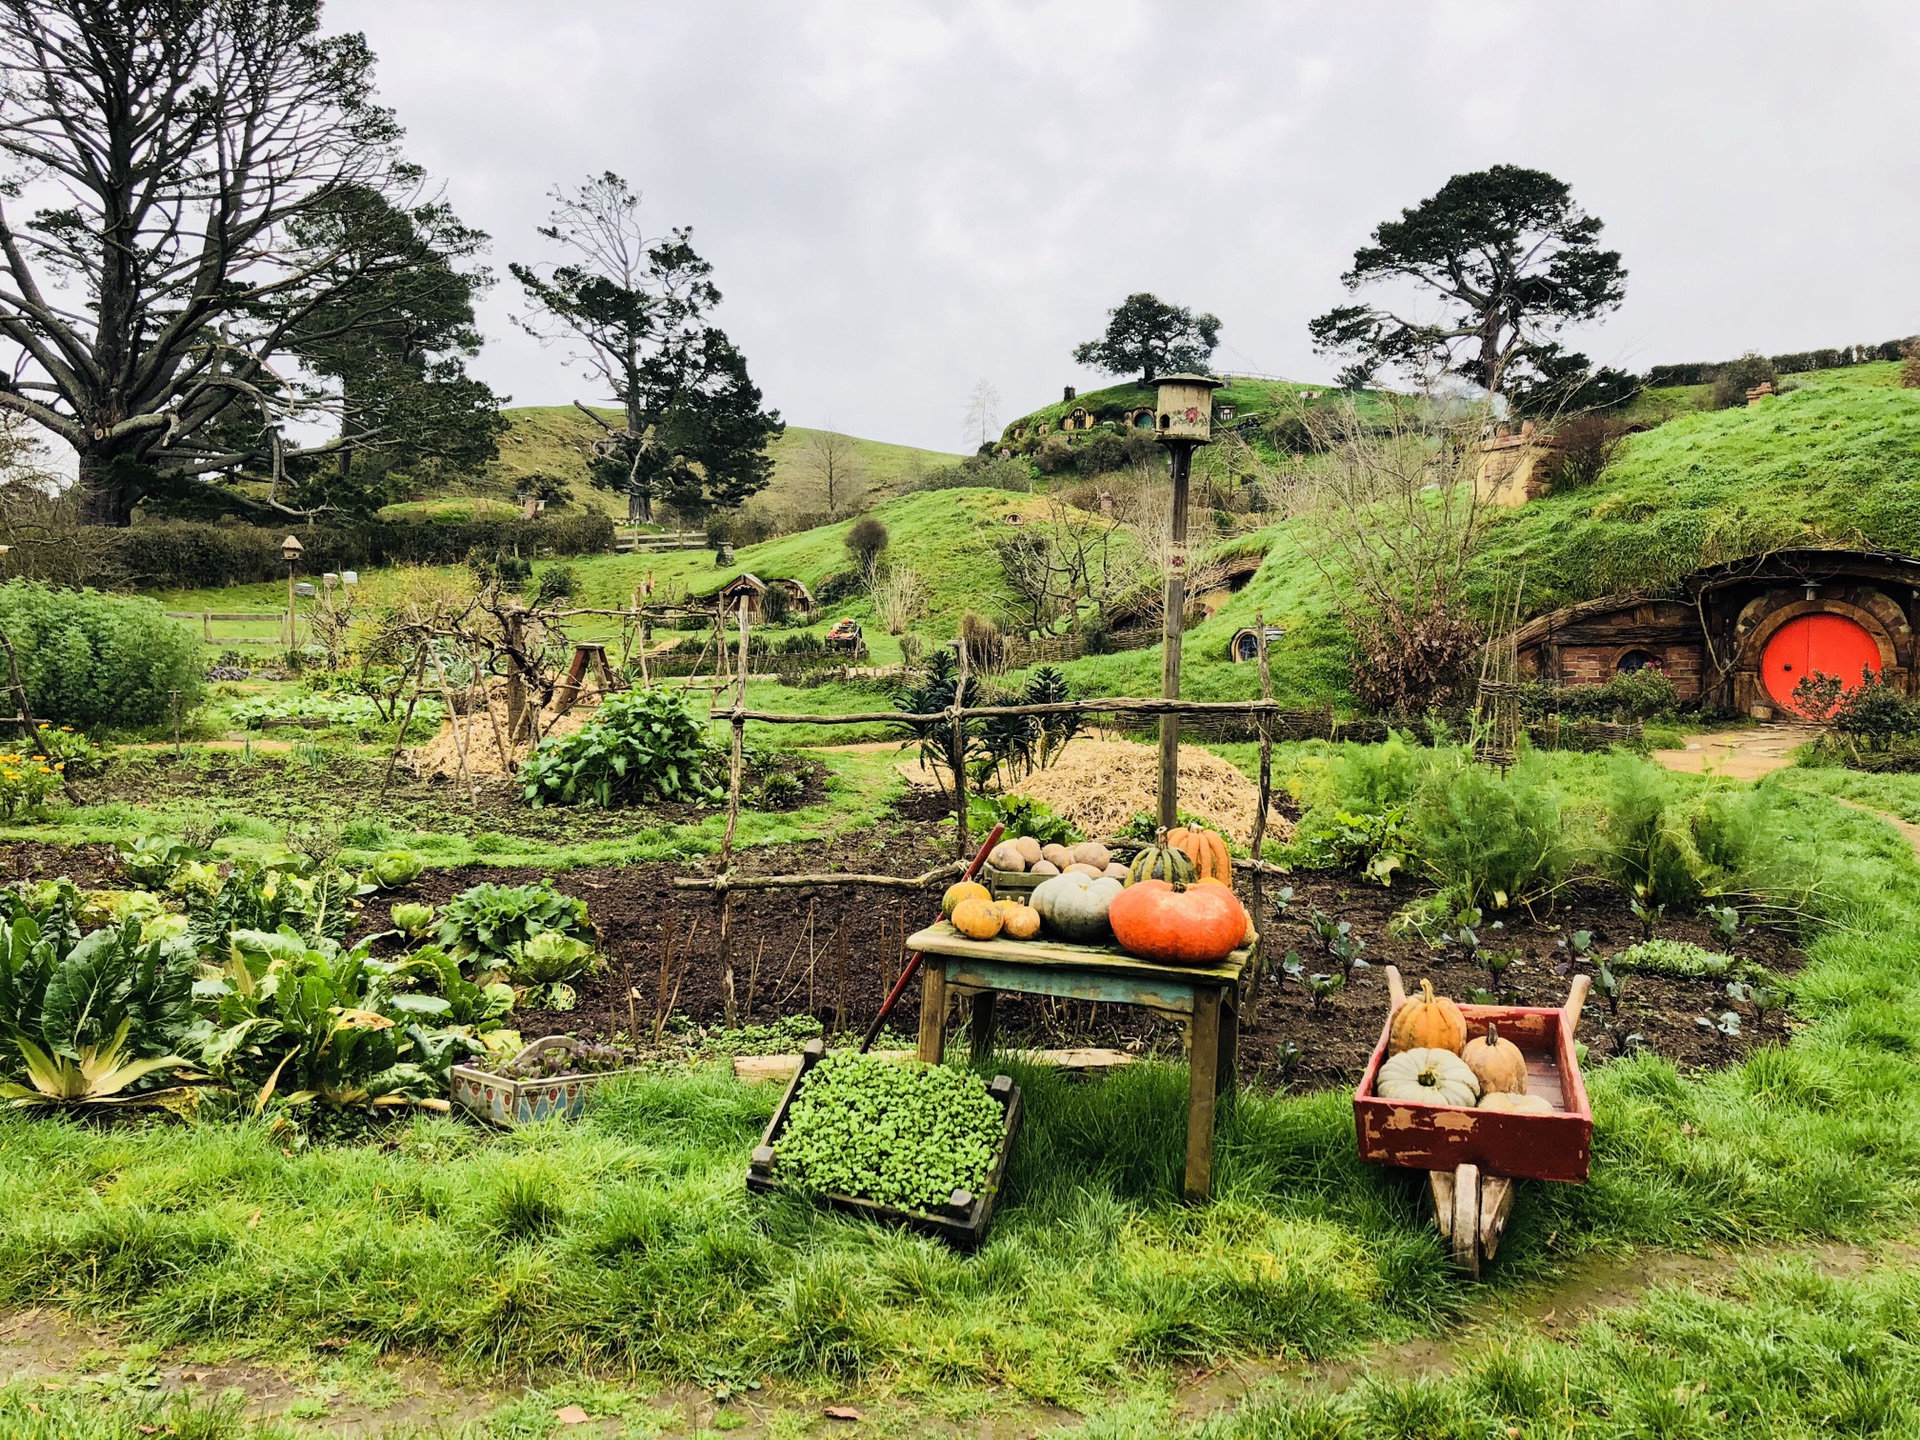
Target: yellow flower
x=66 y=729
x=61 y=766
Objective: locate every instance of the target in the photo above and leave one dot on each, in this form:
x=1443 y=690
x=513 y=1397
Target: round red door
x=1827 y=644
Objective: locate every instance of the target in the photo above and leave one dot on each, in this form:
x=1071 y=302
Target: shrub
x=1876 y=715
x=1587 y=444
x=644 y=744
x=1910 y=365
x=1632 y=695
x=97 y=660
x=557 y=582
x=1737 y=377
x=866 y=538
x=493 y=923
x=775 y=605
x=840 y=587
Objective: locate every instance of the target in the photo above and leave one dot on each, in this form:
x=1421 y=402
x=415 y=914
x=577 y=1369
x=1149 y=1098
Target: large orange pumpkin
x=1177 y=924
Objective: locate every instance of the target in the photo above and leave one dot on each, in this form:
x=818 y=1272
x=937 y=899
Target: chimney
x=1069 y=393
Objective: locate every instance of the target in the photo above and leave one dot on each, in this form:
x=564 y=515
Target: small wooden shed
x=800 y=600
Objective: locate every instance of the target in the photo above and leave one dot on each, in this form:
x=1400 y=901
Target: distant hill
x=557 y=440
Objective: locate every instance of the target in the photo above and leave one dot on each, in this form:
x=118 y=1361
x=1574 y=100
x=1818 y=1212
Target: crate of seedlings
x=920 y=1145
x=548 y=1080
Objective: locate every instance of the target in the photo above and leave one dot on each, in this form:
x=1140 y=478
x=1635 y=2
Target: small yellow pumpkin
x=1206 y=850
x=1497 y=1063
x=1019 y=922
x=1427 y=1022
x=977 y=918
x=962 y=890
x=1516 y=1104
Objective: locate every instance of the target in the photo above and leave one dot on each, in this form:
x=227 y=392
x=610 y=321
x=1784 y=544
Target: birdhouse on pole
x=1185 y=408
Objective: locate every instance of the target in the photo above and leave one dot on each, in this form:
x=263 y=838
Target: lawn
x=625 y=1246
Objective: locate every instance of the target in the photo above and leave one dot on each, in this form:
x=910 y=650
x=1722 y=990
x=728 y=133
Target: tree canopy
x=191 y=258
x=1507 y=258
x=634 y=312
x=1148 y=337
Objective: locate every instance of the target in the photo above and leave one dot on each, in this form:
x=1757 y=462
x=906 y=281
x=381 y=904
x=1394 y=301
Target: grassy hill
x=1250 y=398
x=1834 y=459
x=557 y=440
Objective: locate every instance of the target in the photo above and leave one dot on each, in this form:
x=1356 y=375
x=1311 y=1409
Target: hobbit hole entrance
x=1817 y=643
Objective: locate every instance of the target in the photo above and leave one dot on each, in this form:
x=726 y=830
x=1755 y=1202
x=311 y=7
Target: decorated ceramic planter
x=509 y=1102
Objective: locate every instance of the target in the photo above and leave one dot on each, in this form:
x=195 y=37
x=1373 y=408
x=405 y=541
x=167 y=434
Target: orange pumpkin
x=962 y=890
x=1427 y=1022
x=1178 y=925
x=977 y=919
x=1206 y=850
x=1498 y=1063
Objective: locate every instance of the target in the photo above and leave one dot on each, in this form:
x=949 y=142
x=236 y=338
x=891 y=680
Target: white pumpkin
x=1437 y=1077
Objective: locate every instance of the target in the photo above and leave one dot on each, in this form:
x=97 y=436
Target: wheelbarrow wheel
x=1471 y=1211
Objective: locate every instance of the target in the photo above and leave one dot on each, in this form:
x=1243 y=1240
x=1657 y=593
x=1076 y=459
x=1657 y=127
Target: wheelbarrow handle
x=912 y=966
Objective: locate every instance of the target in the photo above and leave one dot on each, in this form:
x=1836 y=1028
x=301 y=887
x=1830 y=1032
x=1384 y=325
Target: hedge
x=93 y=660
x=183 y=555
x=1798 y=363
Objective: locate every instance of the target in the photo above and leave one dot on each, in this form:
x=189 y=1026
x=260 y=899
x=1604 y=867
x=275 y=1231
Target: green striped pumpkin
x=1161 y=862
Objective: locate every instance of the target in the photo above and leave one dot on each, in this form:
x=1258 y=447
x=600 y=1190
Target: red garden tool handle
x=912 y=967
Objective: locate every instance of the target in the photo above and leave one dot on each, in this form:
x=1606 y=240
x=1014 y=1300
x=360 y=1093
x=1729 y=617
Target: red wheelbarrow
x=1472 y=1157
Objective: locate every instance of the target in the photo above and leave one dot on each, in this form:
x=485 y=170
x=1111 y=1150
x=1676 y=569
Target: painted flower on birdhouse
x=1193 y=413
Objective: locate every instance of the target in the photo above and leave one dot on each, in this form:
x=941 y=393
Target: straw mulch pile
x=1101 y=784
x=439 y=758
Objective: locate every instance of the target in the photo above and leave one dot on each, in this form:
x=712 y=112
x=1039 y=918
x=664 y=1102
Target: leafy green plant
x=93 y=1020
x=280 y=889
x=26 y=780
x=71 y=753
x=393 y=868
x=778 y=790
x=1022 y=816
x=150 y=860
x=1339 y=941
x=1681 y=958
x=411 y=920
x=642 y=745
x=491 y=923
x=550 y=958
x=1489 y=838
x=904 y=1135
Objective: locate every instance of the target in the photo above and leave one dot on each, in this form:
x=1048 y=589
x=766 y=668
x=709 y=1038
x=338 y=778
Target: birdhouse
x=1185 y=408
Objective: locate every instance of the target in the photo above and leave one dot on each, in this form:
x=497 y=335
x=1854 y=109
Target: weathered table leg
x=933 y=1010
x=1203 y=1056
x=981 y=1028
x=1229 y=1076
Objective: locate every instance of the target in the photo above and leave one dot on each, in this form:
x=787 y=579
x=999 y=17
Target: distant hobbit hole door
x=1809 y=644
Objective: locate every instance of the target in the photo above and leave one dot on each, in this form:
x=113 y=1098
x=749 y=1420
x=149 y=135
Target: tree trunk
x=104 y=499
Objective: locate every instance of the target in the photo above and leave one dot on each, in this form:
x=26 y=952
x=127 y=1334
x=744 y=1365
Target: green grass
x=452 y=510
x=627 y=1244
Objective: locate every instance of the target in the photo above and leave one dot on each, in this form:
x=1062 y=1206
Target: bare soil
x=834 y=951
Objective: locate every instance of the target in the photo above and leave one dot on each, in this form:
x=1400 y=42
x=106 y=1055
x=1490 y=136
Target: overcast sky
x=901 y=199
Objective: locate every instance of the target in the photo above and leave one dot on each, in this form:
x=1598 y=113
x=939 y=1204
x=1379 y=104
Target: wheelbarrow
x=1473 y=1157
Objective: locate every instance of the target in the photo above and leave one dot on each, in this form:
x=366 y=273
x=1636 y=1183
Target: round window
x=1636 y=660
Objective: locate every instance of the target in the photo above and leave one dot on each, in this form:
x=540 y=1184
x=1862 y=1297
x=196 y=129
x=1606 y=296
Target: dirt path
x=1738 y=754
x=1554 y=1309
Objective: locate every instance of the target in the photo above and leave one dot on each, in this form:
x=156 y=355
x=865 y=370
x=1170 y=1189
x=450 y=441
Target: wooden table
x=1205 y=1000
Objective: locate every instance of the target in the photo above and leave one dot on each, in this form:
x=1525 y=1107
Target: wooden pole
x=1181 y=457
x=400 y=738
x=735 y=770
x=1260 y=815
x=459 y=730
x=959 y=755
x=512 y=623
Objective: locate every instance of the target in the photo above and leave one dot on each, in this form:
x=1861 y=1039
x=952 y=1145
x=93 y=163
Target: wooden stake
x=959 y=754
x=736 y=768
x=400 y=739
x=459 y=730
x=1260 y=816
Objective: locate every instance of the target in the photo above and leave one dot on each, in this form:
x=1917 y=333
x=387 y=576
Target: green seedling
x=1324 y=987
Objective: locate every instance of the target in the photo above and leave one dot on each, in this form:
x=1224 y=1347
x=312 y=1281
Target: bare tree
x=982 y=421
x=153 y=297
x=1397 y=519
x=832 y=461
x=1066 y=558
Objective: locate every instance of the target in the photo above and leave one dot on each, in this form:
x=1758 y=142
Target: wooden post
x=512 y=622
x=933 y=1010
x=400 y=739
x=206 y=626
x=1203 y=1060
x=959 y=754
x=459 y=730
x=735 y=770
x=1181 y=459
x=1258 y=968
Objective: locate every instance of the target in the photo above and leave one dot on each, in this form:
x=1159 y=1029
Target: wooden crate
x=1425 y=1136
x=962 y=1221
x=1010 y=884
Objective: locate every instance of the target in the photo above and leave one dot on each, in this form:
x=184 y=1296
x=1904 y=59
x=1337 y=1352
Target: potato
x=1092 y=852
x=1081 y=868
x=1028 y=847
x=1006 y=856
x=1116 y=871
x=1057 y=855
x=1043 y=867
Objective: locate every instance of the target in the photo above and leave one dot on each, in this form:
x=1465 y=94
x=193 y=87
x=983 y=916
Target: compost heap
x=1101 y=784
